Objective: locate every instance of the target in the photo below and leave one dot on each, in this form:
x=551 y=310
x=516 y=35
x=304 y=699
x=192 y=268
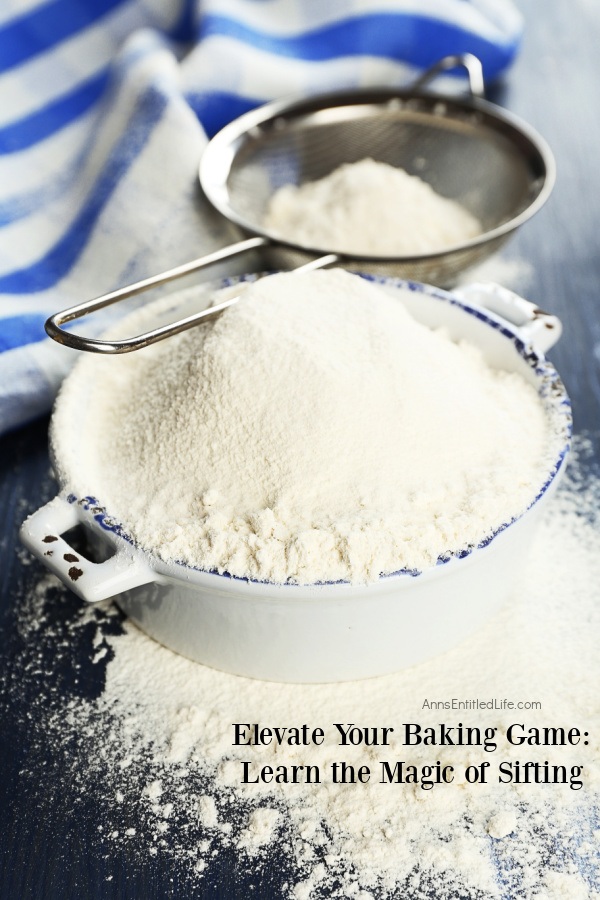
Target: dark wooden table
x=49 y=846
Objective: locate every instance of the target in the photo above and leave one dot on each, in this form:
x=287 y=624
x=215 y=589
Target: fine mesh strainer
x=467 y=149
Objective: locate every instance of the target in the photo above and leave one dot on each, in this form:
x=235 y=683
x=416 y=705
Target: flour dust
x=154 y=746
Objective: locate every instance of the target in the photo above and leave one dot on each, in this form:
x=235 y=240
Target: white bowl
x=321 y=632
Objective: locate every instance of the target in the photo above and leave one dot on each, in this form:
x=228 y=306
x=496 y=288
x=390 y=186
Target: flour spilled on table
x=157 y=746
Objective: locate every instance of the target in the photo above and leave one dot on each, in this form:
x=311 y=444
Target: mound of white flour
x=370 y=209
x=315 y=431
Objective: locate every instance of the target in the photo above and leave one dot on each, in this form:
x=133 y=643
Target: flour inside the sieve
x=370 y=209
x=314 y=432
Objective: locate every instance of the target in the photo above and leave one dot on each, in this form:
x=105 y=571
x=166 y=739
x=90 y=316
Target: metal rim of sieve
x=258 y=127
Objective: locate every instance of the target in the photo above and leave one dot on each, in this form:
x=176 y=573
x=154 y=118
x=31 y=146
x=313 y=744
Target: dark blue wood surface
x=49 y=846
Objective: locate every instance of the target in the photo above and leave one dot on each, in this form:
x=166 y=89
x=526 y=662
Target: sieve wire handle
x=462 y=60
x=94 y=345
x=79 y=342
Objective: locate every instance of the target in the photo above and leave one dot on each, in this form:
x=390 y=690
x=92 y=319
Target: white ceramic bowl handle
x=539 y=329
x=42 y=533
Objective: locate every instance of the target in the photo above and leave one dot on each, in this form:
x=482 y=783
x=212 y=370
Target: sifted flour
x=369 y=208
x=314 y=432
x=156 y=749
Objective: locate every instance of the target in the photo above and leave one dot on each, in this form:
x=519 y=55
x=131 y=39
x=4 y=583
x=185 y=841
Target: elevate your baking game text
x=411 y=734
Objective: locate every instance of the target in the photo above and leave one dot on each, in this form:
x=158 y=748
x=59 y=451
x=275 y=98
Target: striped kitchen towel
x=106 y=105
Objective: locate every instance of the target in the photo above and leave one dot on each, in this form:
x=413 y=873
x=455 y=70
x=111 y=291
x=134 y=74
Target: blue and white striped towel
x=105 y=109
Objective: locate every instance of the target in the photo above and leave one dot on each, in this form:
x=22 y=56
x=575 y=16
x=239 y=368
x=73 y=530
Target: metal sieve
x=467 y=149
